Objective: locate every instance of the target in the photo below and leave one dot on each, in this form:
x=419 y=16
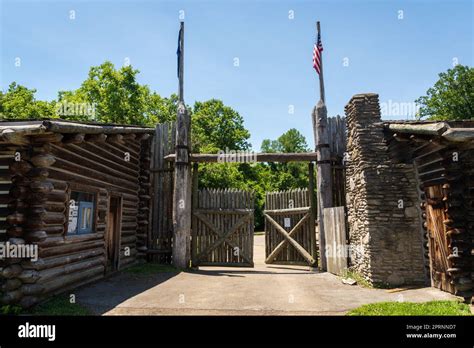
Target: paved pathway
x=263 y=290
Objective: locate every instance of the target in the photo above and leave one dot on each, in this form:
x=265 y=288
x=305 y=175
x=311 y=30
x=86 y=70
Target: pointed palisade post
x=182 y=174
x=323 y=163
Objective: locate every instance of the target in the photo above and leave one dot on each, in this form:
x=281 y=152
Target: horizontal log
x=11 y=271
x=71 y=239
x=258 y=157
x=301 y=210
x=61 y=260
x=432 y=128
x=58 y=272
x=96 y=173
x=459 y=134
x=64 y=281
x=13 y=137
x=72 y=127
x=70 y=248
x=78 y=154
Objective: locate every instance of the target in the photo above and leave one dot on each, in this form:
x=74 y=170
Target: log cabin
x=76 y=192
x=410 y=199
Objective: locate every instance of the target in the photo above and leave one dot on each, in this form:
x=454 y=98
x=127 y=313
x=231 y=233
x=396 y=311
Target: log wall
x=53 y=165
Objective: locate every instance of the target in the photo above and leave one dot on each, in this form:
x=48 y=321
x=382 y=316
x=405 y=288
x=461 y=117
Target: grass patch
x=10 y=310
x=259 y=233
x=59 y=305
x=411 y=308
x=151 y=268
x=357 y=277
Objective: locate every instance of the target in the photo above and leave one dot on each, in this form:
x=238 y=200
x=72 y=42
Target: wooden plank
x=336 y=248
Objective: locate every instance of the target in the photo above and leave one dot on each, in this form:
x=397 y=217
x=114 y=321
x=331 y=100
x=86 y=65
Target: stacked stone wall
x=382 y=202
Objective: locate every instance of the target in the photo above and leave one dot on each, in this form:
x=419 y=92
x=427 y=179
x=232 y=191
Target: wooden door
x=113 y=234
x=439 y=241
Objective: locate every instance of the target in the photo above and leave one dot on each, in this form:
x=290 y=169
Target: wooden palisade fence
x=337 y=146
x=161 y=232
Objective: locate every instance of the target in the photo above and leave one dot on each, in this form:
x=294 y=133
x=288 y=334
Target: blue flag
x=178 y=52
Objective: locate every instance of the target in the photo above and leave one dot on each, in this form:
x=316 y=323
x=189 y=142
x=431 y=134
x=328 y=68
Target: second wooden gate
x=222 y=228
x=438 y=240
x=290 y=234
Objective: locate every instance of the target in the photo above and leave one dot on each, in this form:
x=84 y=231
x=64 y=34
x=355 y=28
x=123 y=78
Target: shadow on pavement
x=106 y=294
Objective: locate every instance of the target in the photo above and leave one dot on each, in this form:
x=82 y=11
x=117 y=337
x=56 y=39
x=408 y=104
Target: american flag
x=317 y=49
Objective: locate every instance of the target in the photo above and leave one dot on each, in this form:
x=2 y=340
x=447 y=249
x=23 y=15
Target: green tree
x=451 y=97
x=284 y=176
x=216 y=126
x=19 y=102
x=291 y=141
x=119 y=98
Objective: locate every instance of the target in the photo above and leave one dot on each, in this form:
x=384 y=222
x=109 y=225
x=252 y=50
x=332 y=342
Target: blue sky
x=398 y=58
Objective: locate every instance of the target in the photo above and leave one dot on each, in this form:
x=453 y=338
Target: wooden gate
x=222 y=228
x=290 y=234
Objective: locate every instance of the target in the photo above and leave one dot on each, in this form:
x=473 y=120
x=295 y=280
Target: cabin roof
x=456 y=131
x=63 y=126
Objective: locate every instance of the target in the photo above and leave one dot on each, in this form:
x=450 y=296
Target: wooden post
x=182 y=177
x=312 y=201
x=195 y=199
x=324 y=177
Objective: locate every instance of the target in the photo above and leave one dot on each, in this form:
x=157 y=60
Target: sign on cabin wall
x=73 y=215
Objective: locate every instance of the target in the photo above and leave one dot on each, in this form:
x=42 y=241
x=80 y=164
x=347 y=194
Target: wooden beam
x=245 y=158
x=435 y=128
x=459 y=134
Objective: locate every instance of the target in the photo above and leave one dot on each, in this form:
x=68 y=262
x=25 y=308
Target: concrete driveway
x=263 y=290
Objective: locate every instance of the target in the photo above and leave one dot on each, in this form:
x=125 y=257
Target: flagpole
x=182 y=174
x=321 y=78
x=323 y=163
x=181 y=64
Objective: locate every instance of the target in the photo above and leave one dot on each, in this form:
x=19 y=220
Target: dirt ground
x=263 y=290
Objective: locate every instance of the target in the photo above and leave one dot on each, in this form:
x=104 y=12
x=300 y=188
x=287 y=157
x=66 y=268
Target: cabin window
x=81 y=213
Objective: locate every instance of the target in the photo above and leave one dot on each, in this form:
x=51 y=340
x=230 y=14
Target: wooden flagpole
x=181 y=63
x=182 y=174
x=321 y=77
x=323 y=163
